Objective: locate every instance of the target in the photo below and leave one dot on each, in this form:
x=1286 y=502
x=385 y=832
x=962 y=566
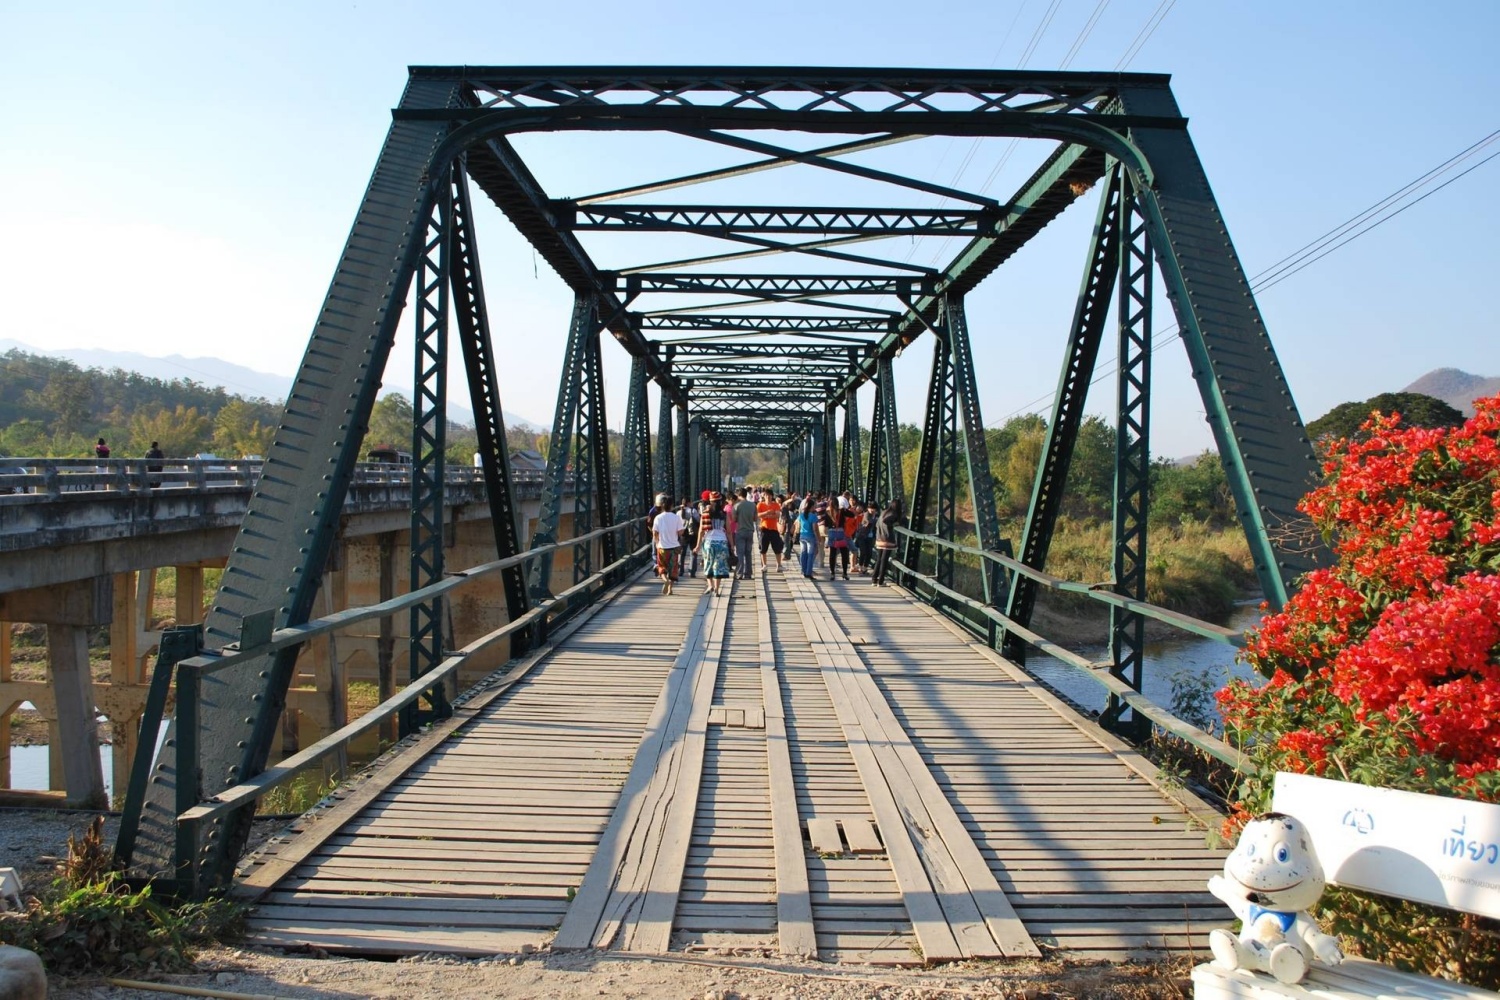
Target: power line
x=1147 y=30
x=1168 y=334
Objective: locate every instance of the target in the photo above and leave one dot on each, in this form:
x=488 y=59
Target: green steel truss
x=759 y=338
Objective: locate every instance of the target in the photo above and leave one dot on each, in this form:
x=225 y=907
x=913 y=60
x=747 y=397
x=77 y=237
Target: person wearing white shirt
x=666 y=535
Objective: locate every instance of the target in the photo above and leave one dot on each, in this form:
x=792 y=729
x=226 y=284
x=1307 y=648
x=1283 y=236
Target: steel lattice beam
x=713 y=220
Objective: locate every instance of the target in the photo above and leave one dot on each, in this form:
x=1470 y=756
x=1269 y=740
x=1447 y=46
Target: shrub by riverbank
x=1192 y=568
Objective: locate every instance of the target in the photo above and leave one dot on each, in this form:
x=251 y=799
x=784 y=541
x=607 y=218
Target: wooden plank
x=651 y=931
x=951 y=858
x=823 y=831
x=794 y=918
x=716 y=716
x=860 y=835
x=328 y=822
x=734 y=717
x=582 y=923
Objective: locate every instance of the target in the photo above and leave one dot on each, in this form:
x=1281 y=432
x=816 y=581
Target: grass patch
x=89 y=922
x=297 y=796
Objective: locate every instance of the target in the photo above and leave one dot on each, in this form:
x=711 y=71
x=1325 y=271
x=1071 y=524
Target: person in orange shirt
x=768 y=513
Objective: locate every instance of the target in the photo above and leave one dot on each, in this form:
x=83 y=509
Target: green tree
x=69 y=395
x=183 y=431
x=391 y=422
x=1416 y=409
x=1197 y=491
x=1090 y=489
x=238 y=430
x=27 y=438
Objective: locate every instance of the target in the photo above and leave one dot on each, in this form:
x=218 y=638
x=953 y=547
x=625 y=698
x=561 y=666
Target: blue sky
x=180 y=178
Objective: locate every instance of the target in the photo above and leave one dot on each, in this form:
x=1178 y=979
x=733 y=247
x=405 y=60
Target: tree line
x=51 y=407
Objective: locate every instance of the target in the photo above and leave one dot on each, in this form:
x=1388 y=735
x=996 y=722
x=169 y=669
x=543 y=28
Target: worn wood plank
x=581 y=925
x=968 y=890
x=823 y=831
x=860 y=834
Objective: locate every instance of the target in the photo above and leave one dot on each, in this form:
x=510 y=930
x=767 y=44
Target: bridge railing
x=58 y=477
x=193 y=812
x=990 y=623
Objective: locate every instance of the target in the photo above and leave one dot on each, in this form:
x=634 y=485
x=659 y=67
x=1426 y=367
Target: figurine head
x=1274 y=864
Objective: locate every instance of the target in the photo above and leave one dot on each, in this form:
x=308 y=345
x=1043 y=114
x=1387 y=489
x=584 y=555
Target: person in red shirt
x=768 y=513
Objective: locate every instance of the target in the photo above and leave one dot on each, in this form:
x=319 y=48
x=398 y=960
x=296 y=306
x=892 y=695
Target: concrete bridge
x=82 y=543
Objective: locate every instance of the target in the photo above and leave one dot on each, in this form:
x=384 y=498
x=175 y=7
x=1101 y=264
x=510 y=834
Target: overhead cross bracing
x=674 y=283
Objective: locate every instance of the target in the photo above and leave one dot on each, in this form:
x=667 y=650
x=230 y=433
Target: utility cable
x=1168 y=334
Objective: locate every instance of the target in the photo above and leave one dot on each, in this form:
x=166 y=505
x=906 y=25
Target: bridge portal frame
x=459 y=119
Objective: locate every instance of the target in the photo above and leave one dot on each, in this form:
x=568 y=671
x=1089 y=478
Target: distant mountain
x=1457 y=388
x=236 y=379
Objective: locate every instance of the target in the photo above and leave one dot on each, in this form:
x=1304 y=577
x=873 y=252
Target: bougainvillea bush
x=1384 y=668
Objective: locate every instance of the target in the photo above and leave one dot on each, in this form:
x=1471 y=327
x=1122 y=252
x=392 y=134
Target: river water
x=1183 y=662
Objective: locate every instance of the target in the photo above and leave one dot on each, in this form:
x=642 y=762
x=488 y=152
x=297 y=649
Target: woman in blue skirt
x=713 y=543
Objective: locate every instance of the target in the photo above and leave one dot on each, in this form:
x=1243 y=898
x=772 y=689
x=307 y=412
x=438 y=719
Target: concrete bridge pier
x=68 y=610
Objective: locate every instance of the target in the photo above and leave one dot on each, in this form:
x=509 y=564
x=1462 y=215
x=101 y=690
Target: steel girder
x=973 y=446
x=278 y=558
x=1261 y=441
x=1084 y=337
x=734 y=349
x=666 y=452
x=683 y=483
x=741 y=323
x=850 y=459
x=579 y=357
x=428 y=445
x=717 y=219
x=929 y=458
x=1132 y=453
x=484 y=397
x=773 y=287
x=634 y=499
x=884 y=482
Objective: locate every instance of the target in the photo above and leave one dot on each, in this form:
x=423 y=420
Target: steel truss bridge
x=759 y=343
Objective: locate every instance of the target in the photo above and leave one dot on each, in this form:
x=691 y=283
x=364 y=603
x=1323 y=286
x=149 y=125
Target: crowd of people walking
x=718 y=534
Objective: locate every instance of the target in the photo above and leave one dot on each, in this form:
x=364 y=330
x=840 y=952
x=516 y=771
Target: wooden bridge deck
x=824 y=769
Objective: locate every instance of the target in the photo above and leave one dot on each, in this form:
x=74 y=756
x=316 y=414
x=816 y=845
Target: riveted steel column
x=484 y=396
x=886 y=483
x=850 y=460
x=1267 y=457
x=1132 y=456
x=927 y=458
x=634 y=497
x=666 y=449
x=874 y=475
x=1084 y=337
x=591 y=476
x=583 y=330
x=975 y=447
x=682 y=467
x=949 y=447
x=428 y=444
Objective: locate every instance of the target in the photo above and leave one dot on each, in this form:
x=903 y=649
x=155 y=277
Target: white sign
x=1425 y=848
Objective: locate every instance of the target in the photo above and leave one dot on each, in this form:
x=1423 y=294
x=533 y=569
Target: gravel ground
x=33 y=841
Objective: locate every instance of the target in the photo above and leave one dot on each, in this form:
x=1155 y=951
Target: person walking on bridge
x=713 y=543
x=666 y=534
x=885 y=540
x=768 y=513
x=744 y=533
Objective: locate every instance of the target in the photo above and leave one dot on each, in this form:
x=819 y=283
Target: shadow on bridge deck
x=827 y=770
